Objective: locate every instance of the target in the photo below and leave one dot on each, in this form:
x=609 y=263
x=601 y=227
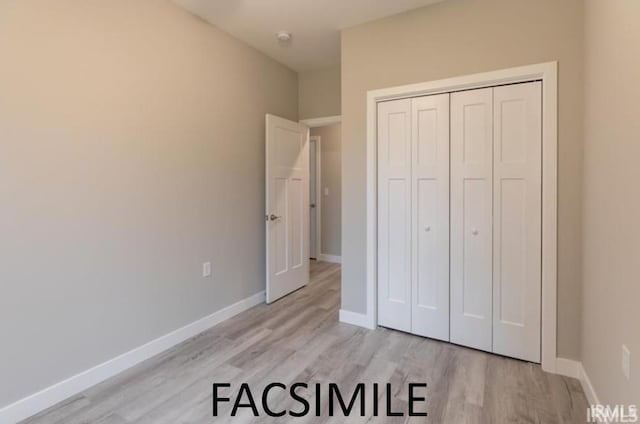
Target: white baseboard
x=330 y=258
x=575 y=369
x=52 y=395
x=354 y=318
x=589 y=391
x=568 y=367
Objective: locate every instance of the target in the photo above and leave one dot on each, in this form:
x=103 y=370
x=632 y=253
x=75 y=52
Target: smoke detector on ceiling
x=283 y=36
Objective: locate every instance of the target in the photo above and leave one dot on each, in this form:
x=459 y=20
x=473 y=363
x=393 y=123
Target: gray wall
x=319 y=93
x=460 y=37
x=611 y=199
x=331 y=170
x=131 y=151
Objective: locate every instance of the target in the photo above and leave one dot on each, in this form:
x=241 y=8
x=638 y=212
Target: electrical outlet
x=626 y=362
x=206 y=269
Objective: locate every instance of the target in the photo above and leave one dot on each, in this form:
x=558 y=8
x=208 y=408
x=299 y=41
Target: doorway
x=325 y=188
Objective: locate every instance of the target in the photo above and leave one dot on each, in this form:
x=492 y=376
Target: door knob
x=427 y=228
x=313 y=205
x=274 y=217
x=475 y=232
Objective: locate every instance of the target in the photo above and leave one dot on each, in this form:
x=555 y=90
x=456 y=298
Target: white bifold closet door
x=517 y=220
x=394 y=214
x=430 y=216
x=413 y=215
x=471 y=216
x=496 y=182
x=459 y=217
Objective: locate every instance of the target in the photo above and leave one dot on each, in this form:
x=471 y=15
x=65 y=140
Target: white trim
x=568 y=367
x=589 y=391
x=318 y=140
x=330 y=258
x=354 y=318
x=575 y=369
x=547 y=72
x=322 y=122
x=58 y=392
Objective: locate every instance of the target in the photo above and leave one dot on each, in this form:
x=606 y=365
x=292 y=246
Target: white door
x=517 y=181
x=287 y=207
x=430 y=216
x=394 y=214
x=471 y=218
x=313 y=193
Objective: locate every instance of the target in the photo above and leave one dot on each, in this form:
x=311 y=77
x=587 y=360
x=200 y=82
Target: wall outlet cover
x=206 y=269
x=626 y=362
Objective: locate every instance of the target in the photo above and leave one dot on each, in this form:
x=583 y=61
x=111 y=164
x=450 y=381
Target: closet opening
x=465 y=248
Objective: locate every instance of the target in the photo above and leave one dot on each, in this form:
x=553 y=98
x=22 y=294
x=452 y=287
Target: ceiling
x=315 y=24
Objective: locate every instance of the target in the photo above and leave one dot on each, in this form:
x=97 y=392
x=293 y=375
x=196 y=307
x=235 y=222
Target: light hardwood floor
x=299 y=339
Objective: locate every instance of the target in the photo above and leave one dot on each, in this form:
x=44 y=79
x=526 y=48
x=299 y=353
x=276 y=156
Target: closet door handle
x=475 y=232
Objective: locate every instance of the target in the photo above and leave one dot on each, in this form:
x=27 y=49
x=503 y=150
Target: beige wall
x=319 y=93
x=460 y=37
x=611 y=198
x=131 y=151
x=331 y=170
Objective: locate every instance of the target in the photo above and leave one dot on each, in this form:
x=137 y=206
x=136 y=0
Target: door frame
x=318 y=143
x=316 y=123
x=322 y=122
x=548 y=74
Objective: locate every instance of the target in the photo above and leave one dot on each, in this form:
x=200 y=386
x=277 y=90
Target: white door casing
x=517 y=226
x=313 y=194
x=430 y=216
x=287 y=211
x=394 y=214
x=471 y=218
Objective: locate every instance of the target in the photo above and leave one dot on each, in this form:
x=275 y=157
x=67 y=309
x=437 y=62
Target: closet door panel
x=471 y=218
x=394 y=214
x=430 y=216
x=517 y=220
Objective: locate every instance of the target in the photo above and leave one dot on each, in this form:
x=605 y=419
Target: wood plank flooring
x=299 y=339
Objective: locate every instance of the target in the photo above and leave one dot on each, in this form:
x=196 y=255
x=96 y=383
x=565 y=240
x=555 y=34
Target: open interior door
x=287 y=209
